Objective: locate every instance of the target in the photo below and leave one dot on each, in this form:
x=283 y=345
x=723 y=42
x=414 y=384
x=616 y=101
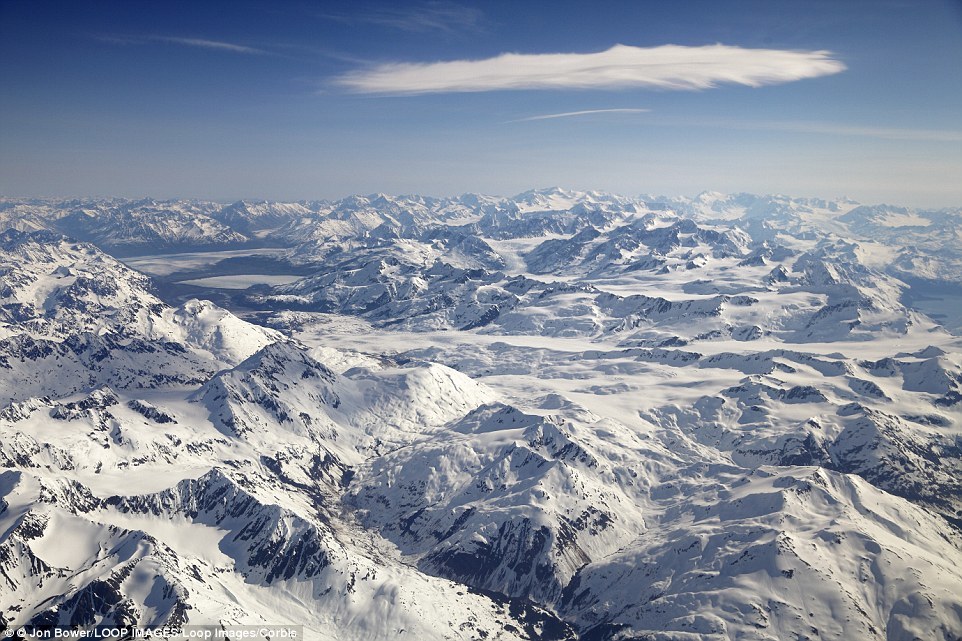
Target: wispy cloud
x=887 y=133
x=586 y=112
x=804 y=127
x=664 y=67
x=210 y=44
x=418 y=18
x=202 y=43
x=820 y=128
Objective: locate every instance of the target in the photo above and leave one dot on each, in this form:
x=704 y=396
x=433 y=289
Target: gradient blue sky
x=280 y=100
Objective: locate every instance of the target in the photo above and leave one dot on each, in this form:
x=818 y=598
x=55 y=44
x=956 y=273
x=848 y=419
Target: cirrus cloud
x=584 y=112
x=202 y=43
x=669 y=67
x=436 y=16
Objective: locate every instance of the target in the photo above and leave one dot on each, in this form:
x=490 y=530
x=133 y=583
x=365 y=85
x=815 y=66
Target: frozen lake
x=241 y=281
x=167 y=264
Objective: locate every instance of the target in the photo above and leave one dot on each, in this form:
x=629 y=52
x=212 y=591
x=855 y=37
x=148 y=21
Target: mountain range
x=560 y=415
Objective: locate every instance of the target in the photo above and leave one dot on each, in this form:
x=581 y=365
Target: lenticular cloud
x=666 y=67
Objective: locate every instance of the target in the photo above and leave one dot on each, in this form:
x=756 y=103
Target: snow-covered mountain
x=597 y=265
x=148 y=226
x=73 y=318
x=561 y=415
x=235 y=473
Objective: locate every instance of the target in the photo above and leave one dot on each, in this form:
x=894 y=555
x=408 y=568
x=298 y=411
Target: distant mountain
x=504 y=270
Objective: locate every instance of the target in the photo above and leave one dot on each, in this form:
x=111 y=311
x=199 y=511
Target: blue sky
x=305 y=100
